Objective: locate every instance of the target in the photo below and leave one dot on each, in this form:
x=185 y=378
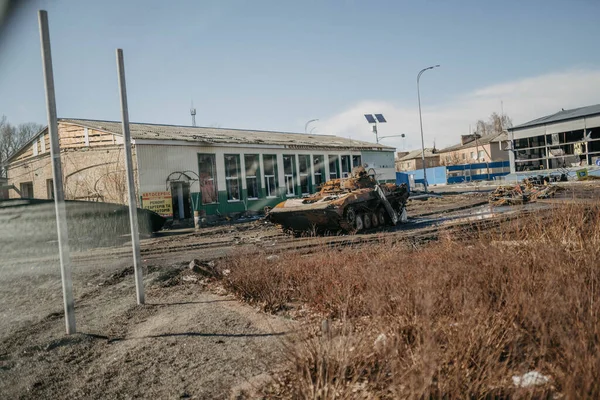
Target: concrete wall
x=94 y=174
x=417 y=163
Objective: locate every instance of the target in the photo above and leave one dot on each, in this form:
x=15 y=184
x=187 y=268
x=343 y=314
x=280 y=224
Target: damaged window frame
x=304 y=173
x=356 y=160
x=319 y=170
x=289 y=167
x=252 y=167
x=211 y=176
x=346 y=167
x=232 y=181
x=270 y=174
x=334 y=160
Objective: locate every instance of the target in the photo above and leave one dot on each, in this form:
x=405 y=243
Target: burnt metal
x=343 y=205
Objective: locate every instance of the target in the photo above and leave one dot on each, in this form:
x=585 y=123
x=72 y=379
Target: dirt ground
x=189 y=340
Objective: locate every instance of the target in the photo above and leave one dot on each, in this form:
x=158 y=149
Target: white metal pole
x=59 y=197
x=135 y=236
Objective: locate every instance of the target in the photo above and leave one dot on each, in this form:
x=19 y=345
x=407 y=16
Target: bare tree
x=12 y=138
x=495 y=124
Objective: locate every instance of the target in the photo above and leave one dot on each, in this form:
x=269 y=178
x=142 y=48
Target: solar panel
x=370 y=118
x=380 y=118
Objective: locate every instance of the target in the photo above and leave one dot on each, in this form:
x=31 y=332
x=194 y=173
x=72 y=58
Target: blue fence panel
x=403 y=178
x=473 y=172
x=435 y=176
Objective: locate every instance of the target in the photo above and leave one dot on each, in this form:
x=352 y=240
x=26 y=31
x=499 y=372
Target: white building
x=182 y=169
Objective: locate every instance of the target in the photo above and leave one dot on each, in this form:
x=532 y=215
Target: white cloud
x=523 y=100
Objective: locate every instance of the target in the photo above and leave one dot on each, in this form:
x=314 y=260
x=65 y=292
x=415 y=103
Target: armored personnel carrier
x=350 y=204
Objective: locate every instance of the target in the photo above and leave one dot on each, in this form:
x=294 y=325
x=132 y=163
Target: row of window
x=474 y=156
x=252 y=174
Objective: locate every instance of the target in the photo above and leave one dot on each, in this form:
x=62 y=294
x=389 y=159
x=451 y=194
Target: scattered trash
x=532 y=378
x=226 y=272
x=528 y=192
x=272 y=257
x=380 y=342
x=189 y=278
x=206 y=268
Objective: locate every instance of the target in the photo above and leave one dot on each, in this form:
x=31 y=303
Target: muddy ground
x=190 y=340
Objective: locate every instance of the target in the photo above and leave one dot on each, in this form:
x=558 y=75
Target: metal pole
x=59 y=197
x=421 y=123
x=135 y=236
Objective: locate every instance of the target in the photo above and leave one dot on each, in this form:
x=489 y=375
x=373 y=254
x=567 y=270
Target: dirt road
x=186 y=342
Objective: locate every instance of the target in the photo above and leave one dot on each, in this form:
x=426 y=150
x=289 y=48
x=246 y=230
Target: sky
x=274 y=65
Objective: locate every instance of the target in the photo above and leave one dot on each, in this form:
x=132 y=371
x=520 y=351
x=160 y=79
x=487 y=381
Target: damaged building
x=179 y=170
x=566 y=139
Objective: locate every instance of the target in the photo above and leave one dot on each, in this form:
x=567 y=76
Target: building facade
x=476 y=149
x=566 y=139
x=413 y=160
x=180 y=170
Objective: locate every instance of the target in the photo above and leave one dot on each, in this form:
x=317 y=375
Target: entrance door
x=180 y=193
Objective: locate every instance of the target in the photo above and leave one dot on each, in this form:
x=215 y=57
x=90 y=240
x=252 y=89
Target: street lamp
x=308 y=122
x=421 y=122
x=385 y=137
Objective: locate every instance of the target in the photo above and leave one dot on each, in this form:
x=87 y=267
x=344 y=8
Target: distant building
x=413 y=160
x=474 y=149
x=568 y=138
x=179 y=170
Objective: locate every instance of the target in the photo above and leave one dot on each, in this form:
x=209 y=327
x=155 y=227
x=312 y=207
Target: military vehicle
x=352 y=204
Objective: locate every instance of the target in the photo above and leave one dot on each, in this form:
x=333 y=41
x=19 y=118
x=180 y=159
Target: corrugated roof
x=205 y=135
x=495 y=137
x=562 y=115
x=417 y=154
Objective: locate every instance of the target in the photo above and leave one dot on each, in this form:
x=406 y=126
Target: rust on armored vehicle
x=350 y=204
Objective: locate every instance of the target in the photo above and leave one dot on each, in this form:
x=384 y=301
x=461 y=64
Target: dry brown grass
x=459 y=318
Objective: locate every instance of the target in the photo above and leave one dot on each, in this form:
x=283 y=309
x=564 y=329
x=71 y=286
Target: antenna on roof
x=193 y=114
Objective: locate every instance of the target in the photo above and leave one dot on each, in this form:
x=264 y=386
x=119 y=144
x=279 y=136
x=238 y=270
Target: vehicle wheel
x=367 y=221
x=358 y=223
x=351 y=216
x=381 y=216
x=374 y=220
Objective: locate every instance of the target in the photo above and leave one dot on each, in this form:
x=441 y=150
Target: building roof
x=562 y=115
x=204 y=135
x=495 y=137
x=416 y=154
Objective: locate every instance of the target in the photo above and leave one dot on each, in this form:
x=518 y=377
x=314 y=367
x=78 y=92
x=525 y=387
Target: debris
x=189 y=278
x=226 y=272
x=531 y=378
x=380 y=342
x=206 y=268
x=272 y=257
x=528 y=192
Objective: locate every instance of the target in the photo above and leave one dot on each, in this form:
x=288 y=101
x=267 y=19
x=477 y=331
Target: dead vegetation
x=446 y=320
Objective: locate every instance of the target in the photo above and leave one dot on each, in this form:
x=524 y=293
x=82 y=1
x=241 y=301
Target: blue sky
x=274 y=65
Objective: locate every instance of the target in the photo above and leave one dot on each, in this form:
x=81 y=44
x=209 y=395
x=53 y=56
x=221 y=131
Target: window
x=448 y=158
x=289 y=165
x=304 y=161
x=42 y=144
x=34 y=147
x=252 y=175
x=464 y=156
x=232 y=176
x=270 y=162
x=27 y=190
x=356 y=161
x=346 y=168
x=473 y=155
x=319 y=166
x=50 y=188
x=333 y=167
x=208 y=178
x=481 y=155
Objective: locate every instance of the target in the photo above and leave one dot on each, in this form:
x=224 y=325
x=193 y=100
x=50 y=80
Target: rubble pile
x=521 y=194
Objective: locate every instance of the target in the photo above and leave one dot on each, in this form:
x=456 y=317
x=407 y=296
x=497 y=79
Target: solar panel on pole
x=370 y=118
x=380 y=118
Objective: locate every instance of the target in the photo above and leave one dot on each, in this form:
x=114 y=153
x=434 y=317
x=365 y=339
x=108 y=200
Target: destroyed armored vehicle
x=350 y=204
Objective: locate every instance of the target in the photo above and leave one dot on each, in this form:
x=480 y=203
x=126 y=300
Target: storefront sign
x=159 y=202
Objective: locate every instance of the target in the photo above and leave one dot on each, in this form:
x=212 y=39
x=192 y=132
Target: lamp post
x=421 y=123
x=385 y=137
x=308 y=123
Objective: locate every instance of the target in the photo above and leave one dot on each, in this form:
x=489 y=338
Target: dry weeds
x=450 y=319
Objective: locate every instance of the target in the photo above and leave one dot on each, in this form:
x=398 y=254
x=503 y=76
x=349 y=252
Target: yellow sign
x=159 y=202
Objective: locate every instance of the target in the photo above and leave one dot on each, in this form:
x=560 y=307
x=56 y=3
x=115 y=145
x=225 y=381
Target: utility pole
x=57 y=181
x=135 y=235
